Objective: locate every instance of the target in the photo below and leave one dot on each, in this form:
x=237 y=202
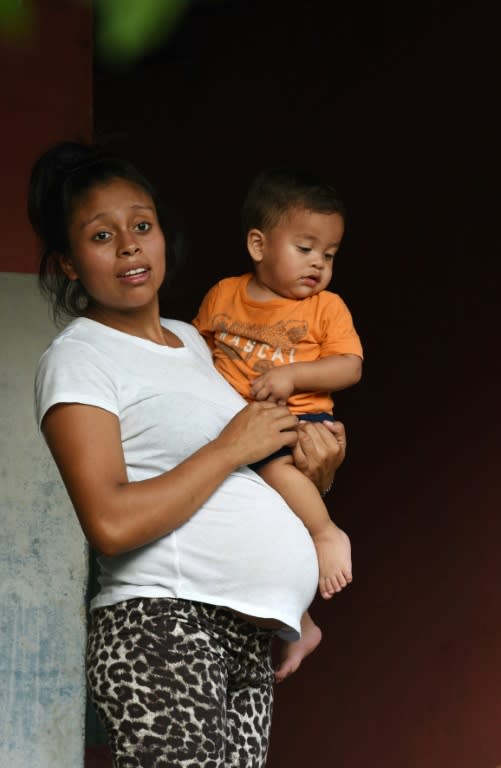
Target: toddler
x=277 y=334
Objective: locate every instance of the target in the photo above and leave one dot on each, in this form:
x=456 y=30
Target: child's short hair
x=276 y=191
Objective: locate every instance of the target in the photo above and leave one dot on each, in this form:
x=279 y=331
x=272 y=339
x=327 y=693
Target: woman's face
x=117 y=248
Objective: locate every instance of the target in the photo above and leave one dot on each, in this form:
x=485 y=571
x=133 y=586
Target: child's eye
x=101 y=237
x=304 y=248
x=143 y=226
x=329 y=256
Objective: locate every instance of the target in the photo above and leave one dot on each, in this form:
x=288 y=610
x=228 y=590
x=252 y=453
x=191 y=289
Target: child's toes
x=341 y=581
x=327 y=588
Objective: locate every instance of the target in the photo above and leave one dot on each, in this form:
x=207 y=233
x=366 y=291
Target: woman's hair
x=276 y=191
x=60 y=178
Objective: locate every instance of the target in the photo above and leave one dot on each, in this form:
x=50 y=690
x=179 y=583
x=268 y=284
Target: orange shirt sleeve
x=339 y=336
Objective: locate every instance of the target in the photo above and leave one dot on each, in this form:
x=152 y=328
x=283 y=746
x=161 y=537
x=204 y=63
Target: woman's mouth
x=135 y=276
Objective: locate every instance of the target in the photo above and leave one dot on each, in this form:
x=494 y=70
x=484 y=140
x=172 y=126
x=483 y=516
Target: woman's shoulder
x=188 y=335
x=78 y=335
x=180 y=325
x=60 y=342
x=76 y=368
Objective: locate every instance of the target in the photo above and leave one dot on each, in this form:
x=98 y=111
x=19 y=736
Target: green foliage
x=16 y=19
x=125 y=29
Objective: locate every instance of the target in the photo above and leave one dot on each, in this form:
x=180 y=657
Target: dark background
x=396 y=102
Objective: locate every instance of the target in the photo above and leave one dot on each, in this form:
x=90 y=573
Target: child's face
x=294 y=259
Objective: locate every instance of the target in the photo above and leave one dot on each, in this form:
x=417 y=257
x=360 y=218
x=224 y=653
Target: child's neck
x=258 y=291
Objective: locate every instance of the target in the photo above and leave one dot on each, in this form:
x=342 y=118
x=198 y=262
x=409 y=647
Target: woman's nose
x=129 y=247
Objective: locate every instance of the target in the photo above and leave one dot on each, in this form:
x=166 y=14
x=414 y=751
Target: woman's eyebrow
x=134 y=206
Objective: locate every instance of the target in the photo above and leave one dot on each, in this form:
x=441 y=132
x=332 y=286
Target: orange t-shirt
x=248 y=337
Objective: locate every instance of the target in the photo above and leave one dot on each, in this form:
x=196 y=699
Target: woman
x=201 y=562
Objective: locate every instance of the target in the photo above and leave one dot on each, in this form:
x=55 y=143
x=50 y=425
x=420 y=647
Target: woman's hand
x=258 y=430
x=319 y=451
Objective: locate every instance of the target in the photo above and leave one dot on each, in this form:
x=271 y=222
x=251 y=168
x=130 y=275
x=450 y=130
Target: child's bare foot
x=334 y=560
x=292 y=654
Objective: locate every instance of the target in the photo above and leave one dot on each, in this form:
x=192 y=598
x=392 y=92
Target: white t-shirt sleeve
x=74 y=372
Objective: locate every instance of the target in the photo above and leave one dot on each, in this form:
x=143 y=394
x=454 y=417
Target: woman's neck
x=143 y=322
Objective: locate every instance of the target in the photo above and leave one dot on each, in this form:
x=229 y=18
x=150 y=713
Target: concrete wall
x=42 y=559
x=46 y=97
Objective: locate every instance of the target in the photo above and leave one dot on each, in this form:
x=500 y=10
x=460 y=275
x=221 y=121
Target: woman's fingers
x=327 y=440
x=260 y=429
x=337 y=429
x=319 y=451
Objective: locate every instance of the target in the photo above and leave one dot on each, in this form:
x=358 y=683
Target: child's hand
x=276 y=385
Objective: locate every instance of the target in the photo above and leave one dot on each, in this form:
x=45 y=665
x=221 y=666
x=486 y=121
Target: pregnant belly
x=245 y=543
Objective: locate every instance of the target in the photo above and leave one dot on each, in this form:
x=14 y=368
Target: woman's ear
x=67 y=266
x=255 y=244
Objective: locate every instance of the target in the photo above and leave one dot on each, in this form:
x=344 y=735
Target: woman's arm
x=117 y=515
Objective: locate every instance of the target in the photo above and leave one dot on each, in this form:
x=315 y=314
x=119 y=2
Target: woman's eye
x=143 y=226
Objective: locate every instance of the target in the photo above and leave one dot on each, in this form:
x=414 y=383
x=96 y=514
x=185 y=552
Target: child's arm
x=329 y=374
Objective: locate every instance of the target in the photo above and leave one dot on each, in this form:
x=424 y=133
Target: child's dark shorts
x=286 y=451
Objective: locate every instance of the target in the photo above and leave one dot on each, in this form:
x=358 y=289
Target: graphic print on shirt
x=260 y=346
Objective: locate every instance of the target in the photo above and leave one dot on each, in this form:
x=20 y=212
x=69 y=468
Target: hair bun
x=70 y=156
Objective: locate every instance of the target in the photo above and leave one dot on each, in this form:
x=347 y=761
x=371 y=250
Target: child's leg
x=332 y=544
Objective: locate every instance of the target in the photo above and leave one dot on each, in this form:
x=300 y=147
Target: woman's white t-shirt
x=244 y=548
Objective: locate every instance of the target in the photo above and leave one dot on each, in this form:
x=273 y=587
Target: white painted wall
x=43 y=560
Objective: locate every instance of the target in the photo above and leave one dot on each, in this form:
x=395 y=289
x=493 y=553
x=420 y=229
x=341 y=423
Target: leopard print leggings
x=180 y=684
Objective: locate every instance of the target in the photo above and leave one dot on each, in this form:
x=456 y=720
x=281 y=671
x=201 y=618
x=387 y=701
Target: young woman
x=201 y=562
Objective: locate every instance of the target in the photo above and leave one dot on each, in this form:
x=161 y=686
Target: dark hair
x=59 y=179
x=276 y=191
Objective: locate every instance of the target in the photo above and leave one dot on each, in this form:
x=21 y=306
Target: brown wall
x=397 y=104
x=46 y=96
